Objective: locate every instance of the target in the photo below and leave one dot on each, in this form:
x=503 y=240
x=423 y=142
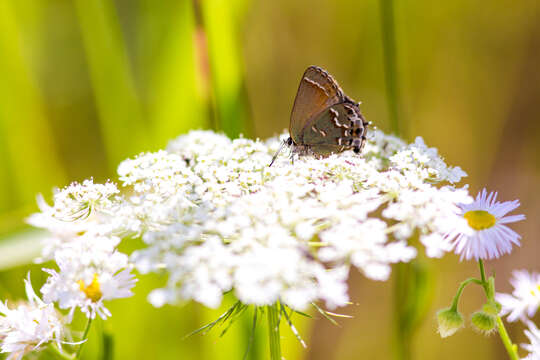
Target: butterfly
x=324 y=120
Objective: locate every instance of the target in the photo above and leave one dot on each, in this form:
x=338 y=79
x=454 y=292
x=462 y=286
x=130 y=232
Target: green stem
x=460 y=290
x=252 y=334
x=482 y=272
x=403 y=289
x=390 y=63
x=88 y=324
x=511 y=348
x=273 y=332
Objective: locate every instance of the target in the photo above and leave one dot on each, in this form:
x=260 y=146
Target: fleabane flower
x=29 y=326
x=533 y=334
x=91 y=271
x=485 y=236
x=524 y=301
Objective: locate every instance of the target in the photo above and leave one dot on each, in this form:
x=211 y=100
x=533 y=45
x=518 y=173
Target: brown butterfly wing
x=335 y=129
x=317 y=91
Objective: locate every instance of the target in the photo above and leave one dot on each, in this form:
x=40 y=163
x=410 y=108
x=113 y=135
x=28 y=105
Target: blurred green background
x=87 y=83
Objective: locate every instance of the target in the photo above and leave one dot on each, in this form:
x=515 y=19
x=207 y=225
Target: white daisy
x=29 y=326
x=485 y=236
x=525 y=299
x=91 y=272
x=533 y=334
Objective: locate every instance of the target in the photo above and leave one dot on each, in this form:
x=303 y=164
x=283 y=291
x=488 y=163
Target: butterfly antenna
x=283 y=143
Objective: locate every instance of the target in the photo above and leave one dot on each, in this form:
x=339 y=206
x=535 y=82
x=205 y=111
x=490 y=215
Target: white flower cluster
x=78 y=209
x=83 y=244
x=84 y=227
x=216 y=218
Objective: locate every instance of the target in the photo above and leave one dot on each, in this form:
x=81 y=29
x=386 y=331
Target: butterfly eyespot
x=356 y=150
x=289 y=141
x=358 y=131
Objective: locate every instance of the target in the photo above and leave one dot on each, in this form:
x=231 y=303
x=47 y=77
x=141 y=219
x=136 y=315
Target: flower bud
x=492 y=308
x=450 y=321
x=483 y=322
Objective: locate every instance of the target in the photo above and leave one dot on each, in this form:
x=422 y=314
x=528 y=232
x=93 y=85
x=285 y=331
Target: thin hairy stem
x=510 y=347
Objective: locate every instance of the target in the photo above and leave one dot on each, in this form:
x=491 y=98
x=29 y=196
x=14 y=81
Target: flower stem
x=511 y=348
x=88 y=324
x=460 y=290
x=482 y=272
x=273 y=331
x=402 y=335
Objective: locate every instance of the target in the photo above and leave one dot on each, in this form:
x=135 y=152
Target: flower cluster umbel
x=216 y=218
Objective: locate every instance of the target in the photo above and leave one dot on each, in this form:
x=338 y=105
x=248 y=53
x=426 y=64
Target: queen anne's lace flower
x=217 y=218
x=77 y=209
x=425 y=163
x=29 y=326
x=525 y=299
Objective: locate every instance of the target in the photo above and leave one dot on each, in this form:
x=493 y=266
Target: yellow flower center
x=92 y=291
x=480 y=219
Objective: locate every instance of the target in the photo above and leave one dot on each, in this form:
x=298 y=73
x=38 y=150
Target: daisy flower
x=533 y=334
x=91 y=272
x=525 y=299
x=29 y=326
x=485 y=236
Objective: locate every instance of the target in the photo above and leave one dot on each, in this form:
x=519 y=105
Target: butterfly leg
x=287 y=142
